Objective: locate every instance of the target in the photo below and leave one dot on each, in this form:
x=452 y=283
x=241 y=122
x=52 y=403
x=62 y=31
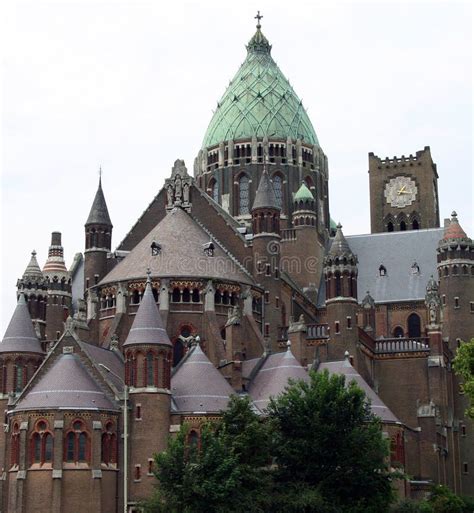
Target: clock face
x=400 y=191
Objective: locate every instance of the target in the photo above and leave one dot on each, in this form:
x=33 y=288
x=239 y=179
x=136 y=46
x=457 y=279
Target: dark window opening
x=414 y=326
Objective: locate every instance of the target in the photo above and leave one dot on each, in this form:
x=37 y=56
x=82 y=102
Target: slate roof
x=339 y=245
x=197 y=386
x=265 y=196
x=272 y=378
x=33 y=270
x=20 y=336
x=182 y=254
x=148 y=327
x=99 y=214
x=110 y=359
x=66 y=385
x=397 y=252
x=376 y=404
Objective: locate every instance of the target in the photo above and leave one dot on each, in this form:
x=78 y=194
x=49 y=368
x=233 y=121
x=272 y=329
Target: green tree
x=326 y=439
x=464 y=366
x=226 y=471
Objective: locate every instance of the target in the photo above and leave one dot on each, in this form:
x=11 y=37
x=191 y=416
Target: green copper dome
x=303 y=193
x=259 y=102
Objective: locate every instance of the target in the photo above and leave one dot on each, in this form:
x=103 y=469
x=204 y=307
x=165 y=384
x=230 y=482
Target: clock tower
x=403 y=192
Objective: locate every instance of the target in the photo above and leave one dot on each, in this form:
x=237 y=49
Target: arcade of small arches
x=402 y=223
x=77 y=441
x=456 y=270
x=97 y=238
x=148 y=368
x=16 y=371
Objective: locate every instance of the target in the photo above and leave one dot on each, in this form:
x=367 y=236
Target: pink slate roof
x=197 y=386
x=66 y=385
x=272 y=379
x=376 y=404
x=182 y=243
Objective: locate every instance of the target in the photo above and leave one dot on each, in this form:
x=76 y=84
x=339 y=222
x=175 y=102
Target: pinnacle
x=265 y=196
x=99 y=213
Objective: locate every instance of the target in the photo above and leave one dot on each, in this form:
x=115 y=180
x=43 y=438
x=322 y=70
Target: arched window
x=215 y=191
x=20 y=375
x=186 y=295
x=176 y=296
x=15 y=445
x=414 y=326
x=178 y=352
x=398 y=332
x=109 y=445
x=403 y=226
x=244 y=196
x=196 y=296
x=150 y=378
x=390 y=226
x=278 y=188
x=155 y=294
x=135 y=297
x=415 y=225
x=77 y=444
x=338 y=283
x=225 y=298
x=217 y=297
x=41 y=444
x=193 y=439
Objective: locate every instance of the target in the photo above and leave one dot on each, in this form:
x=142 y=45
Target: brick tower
x=98 y=240
x=58 y=281
x=148 y=360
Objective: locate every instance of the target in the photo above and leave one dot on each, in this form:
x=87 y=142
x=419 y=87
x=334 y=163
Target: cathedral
x=232 y=281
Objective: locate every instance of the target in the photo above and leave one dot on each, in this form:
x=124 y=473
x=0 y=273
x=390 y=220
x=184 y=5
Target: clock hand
x=401 y=190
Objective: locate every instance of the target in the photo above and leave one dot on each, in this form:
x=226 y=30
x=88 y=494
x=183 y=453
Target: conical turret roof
x=99 y=213
x=147 y=327
x=197 y=386
x=67 y=385
x=265 y=196
x=33 y=270
x=259 y=102
x=303 y=193
x=339 y=245
x=20 y=336
x=272 y=379
x=454 y=231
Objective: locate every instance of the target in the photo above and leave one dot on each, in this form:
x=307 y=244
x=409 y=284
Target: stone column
x=230 y=159
x=209 y=292
x=254 y=150
x=57 y=473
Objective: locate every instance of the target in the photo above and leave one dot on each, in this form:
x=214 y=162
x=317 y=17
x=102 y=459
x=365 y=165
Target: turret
x=266 y=250
x=20 y=351
x=304 y=207
x=33 y=286
x=98 y=234
x=148 y=357
x=456 y=276
x=340 y=272
x=58 y=282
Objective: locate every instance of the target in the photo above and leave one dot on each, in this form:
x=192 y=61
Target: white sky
x=131 y=86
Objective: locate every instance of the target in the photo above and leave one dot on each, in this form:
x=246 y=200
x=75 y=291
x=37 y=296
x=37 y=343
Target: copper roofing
x=33 y=270
x=181 y=255
x=454 y=230
x=376 y=404
x=147 y=327
x=272 y=379
x=265 y=196
x=99 y=214
x=20 y=336
x=197 y=386
x=67 y=385
x=339 y=245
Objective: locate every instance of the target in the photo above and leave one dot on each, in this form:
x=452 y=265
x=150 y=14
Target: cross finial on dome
x=258 y=18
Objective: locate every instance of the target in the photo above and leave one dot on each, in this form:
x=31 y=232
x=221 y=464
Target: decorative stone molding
x=178 y=187
x=57 y=474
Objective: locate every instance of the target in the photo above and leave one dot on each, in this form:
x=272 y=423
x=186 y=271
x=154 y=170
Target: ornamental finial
x=258 y=18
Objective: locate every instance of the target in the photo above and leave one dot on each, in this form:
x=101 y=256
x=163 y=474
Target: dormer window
x=209 y=249
x=382 y=270
x=415 y=268
x=155 y=249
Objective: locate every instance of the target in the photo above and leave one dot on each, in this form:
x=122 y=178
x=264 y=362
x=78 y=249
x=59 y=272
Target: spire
x=99 y=213
x=33 y=270
x=454 y=230
x=259 y=43
x=339 y=246
x=148 y=328
x=20 y=336
x=55 y=262
x=265 y=196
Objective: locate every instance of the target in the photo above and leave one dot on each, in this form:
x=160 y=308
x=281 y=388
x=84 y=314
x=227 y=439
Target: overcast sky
x=131 y=86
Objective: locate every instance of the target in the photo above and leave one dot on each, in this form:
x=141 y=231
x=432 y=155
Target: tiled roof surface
x=272 y=379
x=339 y=245
x=108 y=358
x=376 y=404
x=32 y=270
x=20 y=336
x=265 y=195
x=99 y=214
x=197 y=386
x=454 y=229
x=182 y=254
x=397 y=252
x=67 y=385
x=147 y=327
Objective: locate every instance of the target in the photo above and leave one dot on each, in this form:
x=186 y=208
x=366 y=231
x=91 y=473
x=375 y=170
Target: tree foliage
x=326 y=438
x=464 y=366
